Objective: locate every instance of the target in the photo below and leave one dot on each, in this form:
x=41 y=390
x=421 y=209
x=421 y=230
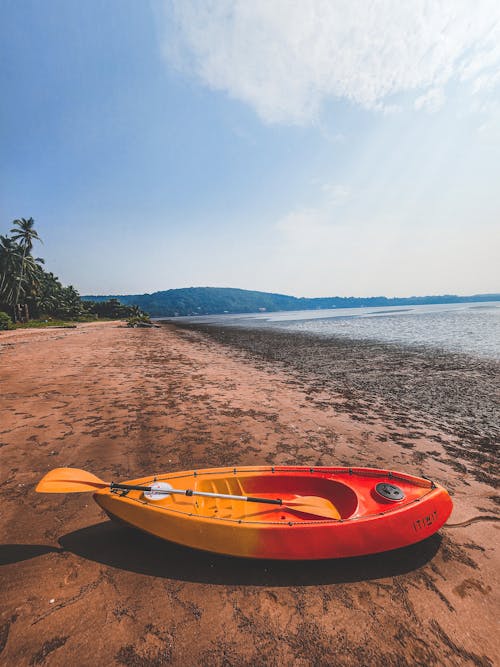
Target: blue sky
x=308 y=148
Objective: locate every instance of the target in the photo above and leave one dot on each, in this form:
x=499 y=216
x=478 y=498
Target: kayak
x=281 y=512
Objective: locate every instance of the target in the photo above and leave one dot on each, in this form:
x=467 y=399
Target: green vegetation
x=138 y=321
x=216 y=300
x=28 y=291
x=5 y=322
x=43 y=324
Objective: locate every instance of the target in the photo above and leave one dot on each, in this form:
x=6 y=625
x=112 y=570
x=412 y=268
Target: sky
x=307 y=147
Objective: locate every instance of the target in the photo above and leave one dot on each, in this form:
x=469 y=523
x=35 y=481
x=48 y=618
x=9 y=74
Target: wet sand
x=77 y=589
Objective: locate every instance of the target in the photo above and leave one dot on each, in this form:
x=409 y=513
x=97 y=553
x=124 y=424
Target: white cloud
x=336 y=193
x=486 y=82
x=431 y=101
x=286 y=57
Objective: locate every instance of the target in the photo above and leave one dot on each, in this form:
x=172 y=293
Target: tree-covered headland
x=216 y=300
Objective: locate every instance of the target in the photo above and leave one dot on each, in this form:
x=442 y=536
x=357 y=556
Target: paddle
x=74 y=480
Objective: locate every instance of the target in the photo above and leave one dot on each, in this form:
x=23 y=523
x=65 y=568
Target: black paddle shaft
x=129 y=487
x=250 y=499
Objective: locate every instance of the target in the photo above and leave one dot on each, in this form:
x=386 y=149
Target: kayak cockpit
x=306 y=494
x=333 y=496
x=327 y=499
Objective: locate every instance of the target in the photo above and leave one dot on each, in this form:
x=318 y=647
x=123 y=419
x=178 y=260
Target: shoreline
x=123 y=402
x=448 y=393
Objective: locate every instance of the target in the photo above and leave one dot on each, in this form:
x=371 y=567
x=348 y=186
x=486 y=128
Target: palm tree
x=24 y=233
x=48 y=292
x=69 y=303
x=135 y=311
x=10 y=262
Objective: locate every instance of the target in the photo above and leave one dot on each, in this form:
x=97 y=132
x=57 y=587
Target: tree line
x=216 y=300
x=28 y=291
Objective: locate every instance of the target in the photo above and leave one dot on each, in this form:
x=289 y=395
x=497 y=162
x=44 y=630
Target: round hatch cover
x=389 y=491
x=159 y=491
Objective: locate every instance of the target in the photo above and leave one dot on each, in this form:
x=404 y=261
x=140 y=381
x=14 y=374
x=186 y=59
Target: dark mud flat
x=423 y=391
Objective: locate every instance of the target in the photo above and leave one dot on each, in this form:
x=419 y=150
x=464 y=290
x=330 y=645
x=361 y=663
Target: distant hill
x=217 y=300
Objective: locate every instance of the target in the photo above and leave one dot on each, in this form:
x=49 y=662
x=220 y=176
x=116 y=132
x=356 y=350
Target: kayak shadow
x=15 y=553
x=128 y=549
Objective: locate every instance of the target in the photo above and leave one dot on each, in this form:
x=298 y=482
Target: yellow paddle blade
x=313 y=505
x=69 y=480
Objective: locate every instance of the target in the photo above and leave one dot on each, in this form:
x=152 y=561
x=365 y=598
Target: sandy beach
x=76 y=589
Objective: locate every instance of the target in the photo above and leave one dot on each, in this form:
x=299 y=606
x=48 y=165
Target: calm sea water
x=473 y=328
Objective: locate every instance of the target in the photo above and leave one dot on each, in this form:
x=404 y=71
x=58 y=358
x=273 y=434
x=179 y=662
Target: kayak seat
x=329 y=492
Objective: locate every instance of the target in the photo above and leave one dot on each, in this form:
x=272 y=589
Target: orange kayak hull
x=372 y=511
